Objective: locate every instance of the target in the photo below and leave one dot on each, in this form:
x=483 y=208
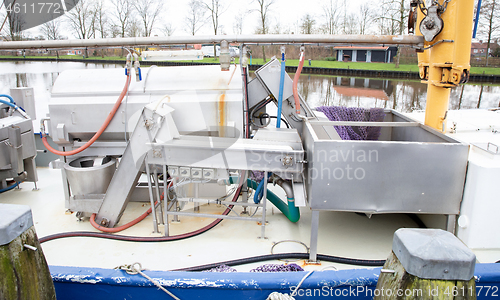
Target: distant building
x=74 y=52
x=366 y=54
x=479 y=49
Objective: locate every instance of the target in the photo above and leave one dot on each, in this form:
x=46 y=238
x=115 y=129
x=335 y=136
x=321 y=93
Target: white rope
x=280 y=296
x=136 y=268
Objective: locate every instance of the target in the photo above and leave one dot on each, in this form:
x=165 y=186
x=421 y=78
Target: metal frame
x=244 y=202
x=213 y=39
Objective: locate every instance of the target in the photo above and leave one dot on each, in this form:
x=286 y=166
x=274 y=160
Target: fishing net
x=222 y=268
x=356 y=114
x=278 y=268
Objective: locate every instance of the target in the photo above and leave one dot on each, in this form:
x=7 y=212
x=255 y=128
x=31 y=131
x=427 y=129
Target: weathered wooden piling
x=24 y=273
x=427 y=264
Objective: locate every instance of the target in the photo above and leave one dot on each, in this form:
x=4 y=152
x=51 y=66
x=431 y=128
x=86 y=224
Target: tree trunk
x=264 y=53
x=398 y=55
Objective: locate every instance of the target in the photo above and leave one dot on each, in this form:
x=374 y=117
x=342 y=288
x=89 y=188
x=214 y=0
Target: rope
x=280 y=296
x=136 y=268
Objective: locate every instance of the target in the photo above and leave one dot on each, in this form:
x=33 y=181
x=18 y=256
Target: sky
x=288 y=13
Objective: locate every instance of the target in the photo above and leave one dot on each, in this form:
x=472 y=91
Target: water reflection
x=317 y=90
x=400 y=95
x=40 y=76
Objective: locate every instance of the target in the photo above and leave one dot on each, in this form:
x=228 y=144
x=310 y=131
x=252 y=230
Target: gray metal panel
x=14 y=220
x=256 y=92
x=25 y=98
x=385 y=176
x=433 y=254
x=269 y=76
x=227 y=153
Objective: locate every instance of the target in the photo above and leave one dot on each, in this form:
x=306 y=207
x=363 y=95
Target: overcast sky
x=288 y=13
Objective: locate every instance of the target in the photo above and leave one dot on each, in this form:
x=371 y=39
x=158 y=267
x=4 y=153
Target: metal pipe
x=212 y=39
x=287 y=187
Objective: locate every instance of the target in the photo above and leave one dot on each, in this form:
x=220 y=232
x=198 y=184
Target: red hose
x=139 y=238
x=119 y=228
x=98 y=133
x=296 y=81
x=125 y=226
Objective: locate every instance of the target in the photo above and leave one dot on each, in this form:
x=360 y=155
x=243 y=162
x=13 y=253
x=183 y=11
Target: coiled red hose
x=98 y=133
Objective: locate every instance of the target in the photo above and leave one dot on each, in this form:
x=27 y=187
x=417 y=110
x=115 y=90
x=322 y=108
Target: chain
x=421 y=5
x=136 y=268
x=441 y=8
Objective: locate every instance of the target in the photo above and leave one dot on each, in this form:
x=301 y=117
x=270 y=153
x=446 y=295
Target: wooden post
x=24 y=272
x=427 y=264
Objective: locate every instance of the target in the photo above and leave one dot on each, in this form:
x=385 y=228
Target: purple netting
x=222 y=268
x=278 y=268
x=357 y=114
x=257 y=175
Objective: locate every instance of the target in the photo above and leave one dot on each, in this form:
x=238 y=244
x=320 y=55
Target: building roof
x=479 y=45
x=361 y=92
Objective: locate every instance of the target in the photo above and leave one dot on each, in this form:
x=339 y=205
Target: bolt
x=104 y=222
x=429 y=24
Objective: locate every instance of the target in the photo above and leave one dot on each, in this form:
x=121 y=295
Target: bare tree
x=13 y=25
x=307 y=26
x=239 y=19
x=51 y=30
x=490 y=23
x=216 y=8
x=148 y=11
x=196 y=17
x=81 y=18
x=101 y=19
x=168 y=29
x=122 y=14
x=331 y=13
x=365 y=18
x=349 y=24
x=392 y=17
x=264 y=9
x=135 y=28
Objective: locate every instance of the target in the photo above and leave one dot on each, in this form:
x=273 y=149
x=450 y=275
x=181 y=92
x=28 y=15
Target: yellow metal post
x=447 y=62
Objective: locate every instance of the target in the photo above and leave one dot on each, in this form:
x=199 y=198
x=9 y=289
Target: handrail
x=353 y=123
x=212 y=39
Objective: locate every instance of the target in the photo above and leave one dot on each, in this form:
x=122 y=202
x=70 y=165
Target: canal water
x=317 y=90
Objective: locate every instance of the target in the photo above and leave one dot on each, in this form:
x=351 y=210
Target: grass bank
x=292 y=62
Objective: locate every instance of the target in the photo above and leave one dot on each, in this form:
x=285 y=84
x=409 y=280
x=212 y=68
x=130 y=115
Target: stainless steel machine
x=17 y=140
x=188 y=130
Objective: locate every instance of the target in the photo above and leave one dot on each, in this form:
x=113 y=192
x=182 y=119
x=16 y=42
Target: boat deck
x=341 y=234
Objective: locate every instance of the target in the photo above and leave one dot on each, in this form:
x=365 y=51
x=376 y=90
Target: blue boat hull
x=74 y=283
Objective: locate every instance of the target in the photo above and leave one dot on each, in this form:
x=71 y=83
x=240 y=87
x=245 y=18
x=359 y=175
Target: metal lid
x=433 y=254
x=14 y=220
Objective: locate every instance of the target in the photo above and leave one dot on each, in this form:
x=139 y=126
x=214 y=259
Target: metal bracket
x=432 y=24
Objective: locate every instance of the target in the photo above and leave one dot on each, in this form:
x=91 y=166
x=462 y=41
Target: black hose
x=261 y=258
x=140 y=238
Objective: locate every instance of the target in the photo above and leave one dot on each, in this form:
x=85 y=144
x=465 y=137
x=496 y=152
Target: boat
x=183 y=141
